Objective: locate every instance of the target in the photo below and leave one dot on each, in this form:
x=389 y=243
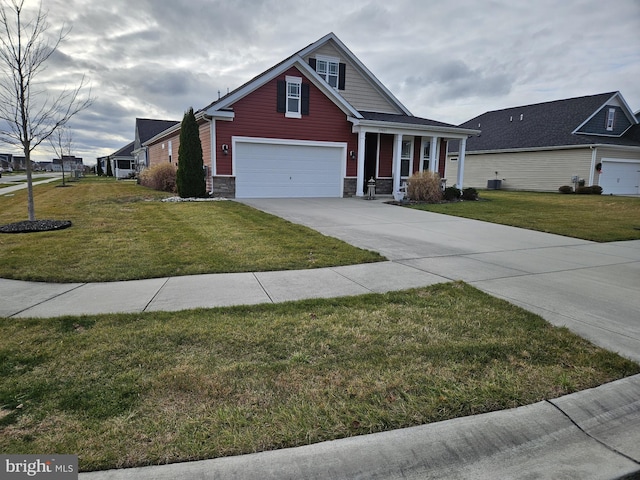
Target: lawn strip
x=122 y=231
x=599 y=218
x=152 y=388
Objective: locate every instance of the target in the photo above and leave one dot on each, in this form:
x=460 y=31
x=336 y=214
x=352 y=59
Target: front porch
x=391 y=148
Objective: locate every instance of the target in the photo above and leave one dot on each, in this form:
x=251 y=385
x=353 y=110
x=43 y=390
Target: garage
x=620 y=177
x=281 y=168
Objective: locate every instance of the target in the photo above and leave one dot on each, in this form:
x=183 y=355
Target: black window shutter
x=342 y=70
x=304 y=109
x=312 y=63
x=282 y=97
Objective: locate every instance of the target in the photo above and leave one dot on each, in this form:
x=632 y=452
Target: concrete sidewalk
x=51 y=177
x=590 y=288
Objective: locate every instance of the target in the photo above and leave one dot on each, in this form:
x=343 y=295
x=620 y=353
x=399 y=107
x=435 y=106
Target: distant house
x=317 y=124
x=146 y=129
x=543 y=146
x=70 y=163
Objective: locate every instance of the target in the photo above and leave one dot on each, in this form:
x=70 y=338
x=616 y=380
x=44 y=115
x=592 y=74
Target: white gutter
x=381 y=126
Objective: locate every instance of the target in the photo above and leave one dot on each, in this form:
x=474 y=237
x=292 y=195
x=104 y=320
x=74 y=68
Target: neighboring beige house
x=543 y=146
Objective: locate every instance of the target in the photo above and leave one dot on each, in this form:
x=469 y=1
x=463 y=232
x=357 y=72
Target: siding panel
x=534 y=171
x=256 y=116
x=358 y=91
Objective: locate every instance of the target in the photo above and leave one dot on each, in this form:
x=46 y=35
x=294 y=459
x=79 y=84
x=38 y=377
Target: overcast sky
x=448 y=60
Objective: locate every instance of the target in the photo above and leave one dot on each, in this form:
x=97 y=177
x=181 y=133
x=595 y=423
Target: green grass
x=139 y=389
x=600 y=218
x=122 y=231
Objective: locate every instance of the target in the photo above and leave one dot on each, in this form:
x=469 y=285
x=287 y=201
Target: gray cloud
x=444 y=60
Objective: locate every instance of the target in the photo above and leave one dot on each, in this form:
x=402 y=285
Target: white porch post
x=463 y=147
x=397 y=164
x=360 y=177
x=433 y=155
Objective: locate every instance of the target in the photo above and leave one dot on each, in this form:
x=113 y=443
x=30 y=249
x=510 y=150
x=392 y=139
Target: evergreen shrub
x=452 y=193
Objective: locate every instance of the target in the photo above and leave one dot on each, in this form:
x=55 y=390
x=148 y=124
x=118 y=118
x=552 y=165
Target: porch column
x=463 y=147
x=360 y=177
x=397 y=164
x=433 y=154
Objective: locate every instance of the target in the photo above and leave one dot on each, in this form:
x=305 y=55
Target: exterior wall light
x=225 y=149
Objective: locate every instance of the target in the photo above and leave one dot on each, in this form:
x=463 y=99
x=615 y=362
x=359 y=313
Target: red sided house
x=318 y=124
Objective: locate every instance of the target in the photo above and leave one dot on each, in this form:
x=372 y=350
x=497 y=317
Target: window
x=331 y=70
x=170 y=149
x=294 y=87
x=327 y=68
x=292 y=97
x=610 y=119
x=405 y=158
x=426 y=153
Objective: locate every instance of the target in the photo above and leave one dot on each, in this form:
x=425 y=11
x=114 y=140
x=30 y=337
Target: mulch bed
x=28 y=226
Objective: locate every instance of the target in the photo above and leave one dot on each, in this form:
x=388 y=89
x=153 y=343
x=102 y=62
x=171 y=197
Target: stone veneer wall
x=224 y=187
x=349 y=189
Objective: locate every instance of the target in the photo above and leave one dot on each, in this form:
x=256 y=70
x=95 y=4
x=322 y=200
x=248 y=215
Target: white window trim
x=410 y=140
x=611 y=117
x=423 y=145
x=328 y=60
x=298 y=81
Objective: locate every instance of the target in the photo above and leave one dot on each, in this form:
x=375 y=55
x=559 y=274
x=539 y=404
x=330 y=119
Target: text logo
x=50 y=467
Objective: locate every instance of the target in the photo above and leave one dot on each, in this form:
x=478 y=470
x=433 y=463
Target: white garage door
x=277 y=170
x=620 y=178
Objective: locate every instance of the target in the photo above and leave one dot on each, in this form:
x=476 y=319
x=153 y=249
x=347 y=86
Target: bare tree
x=61 y=141
x=29 y=114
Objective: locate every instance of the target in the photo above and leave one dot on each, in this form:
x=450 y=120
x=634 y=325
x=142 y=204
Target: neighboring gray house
x=543 y=146
x=122 y=163
x=145 y=130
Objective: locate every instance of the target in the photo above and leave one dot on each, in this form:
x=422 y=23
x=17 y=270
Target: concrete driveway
x=591 y=288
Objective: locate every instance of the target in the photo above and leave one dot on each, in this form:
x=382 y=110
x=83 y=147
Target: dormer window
x=610 y=119
x=330 y=69
x=327 y=68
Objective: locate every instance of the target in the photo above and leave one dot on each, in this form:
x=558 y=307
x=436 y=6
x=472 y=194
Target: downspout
x=594 y=156
x=212 y=154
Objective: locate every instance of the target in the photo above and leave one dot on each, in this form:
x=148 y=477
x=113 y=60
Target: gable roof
x=297 y=60
x=126 y=151
x=147 y=128
x=358 y=65
x=545 y=125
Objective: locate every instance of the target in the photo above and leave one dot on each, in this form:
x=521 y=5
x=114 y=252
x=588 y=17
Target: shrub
x=160 y=177
x=190 y=177
x=592 y=190
x=424 y=187
x=452 y=193
x=469 y=194
x=566 y=189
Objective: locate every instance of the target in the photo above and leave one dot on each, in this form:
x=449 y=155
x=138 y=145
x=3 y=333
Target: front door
x=370 y=157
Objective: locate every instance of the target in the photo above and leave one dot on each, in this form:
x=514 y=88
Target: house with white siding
x=543 y=146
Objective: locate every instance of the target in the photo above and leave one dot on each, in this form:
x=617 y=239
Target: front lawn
x=600 y=218
x=154 y=388
x=122 y=231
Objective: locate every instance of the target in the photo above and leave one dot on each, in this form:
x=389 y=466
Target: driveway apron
x=591 y=288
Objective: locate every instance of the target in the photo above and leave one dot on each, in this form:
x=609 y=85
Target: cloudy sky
x=445 y=60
